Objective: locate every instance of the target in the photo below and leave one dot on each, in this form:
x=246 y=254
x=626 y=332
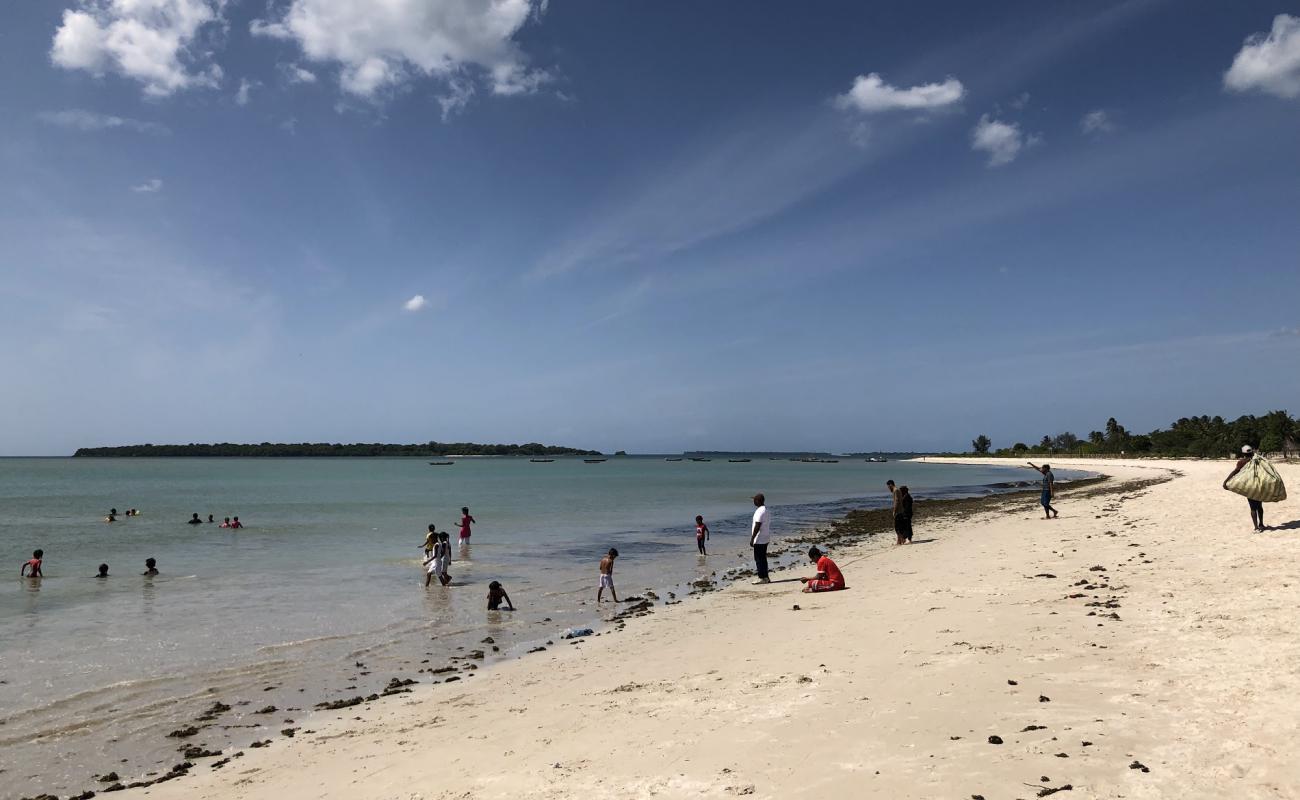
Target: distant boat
x=672 y=459
x=592 y=460
x=701 y=459
x=541 y=460
x=738 y=460
x=877 y=460
x=829 y=460
x=441 y=463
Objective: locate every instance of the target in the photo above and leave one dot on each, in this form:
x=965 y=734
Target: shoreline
x=226 y=712
x=740 y=696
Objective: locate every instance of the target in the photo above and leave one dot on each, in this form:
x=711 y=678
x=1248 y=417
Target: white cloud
x=148 y=187
x=245 y=93
x=415 y=303
x=1002 y=141
x=82 y=120
x=151 y=41
x=870 y=94
x=1269 y=63
x=380 y=46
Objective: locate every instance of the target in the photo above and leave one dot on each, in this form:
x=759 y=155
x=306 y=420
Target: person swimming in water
x=194 y=520
x=103 y=571
x=31 y=568
x=150 y=566
x=235 y=523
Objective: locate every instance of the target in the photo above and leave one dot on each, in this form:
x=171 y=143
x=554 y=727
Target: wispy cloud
x=80 y=119
x=1269 y=62
x=1097 y=123
x=245 y=91
x=296 y=73
x=416 y=303
x=148 y=187
x=714 y=189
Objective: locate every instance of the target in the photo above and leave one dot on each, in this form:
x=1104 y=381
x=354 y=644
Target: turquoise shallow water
x=326 y=576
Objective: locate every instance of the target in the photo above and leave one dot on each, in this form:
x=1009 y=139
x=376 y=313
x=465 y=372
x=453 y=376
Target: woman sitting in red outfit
x=828 y=577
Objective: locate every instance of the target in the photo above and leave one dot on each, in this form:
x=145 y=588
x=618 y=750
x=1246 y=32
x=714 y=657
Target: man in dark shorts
x=1256 y=507
x=1049 y=490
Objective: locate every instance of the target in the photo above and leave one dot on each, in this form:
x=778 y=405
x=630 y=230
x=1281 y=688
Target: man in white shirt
x=760 y=534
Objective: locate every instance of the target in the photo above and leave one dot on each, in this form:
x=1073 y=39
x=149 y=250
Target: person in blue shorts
x=1049 y=490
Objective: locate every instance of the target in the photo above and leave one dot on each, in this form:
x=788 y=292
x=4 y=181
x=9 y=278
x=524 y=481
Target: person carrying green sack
x=1255 y=479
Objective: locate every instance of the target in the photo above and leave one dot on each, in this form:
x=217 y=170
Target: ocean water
x=321 y=595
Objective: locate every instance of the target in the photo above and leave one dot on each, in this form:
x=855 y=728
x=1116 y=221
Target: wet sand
x=1140 y=646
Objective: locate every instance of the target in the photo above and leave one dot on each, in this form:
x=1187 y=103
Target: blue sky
x=643 y=225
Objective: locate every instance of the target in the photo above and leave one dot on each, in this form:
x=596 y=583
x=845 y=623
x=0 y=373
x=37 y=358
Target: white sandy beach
x=891 y=689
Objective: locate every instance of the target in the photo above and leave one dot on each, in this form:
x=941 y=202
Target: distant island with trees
x=1189 y=437
x=321 y=449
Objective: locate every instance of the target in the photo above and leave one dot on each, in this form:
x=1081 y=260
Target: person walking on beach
x=701 y=534
x=1049 y=490
x=903 y=515
x=759 y=535
x=607 y=575
x=1256 y=506
x=31 y=568
x=828 y=577
x=465 y=522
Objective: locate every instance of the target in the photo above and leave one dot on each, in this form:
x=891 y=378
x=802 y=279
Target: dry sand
x=1180 y=655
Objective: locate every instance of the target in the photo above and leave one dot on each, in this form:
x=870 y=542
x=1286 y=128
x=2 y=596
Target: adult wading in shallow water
x=1256 y=506
x=760 y=534
x=1049 y=490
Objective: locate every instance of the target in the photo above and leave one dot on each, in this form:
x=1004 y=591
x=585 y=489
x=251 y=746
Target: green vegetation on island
x=313 y=450
x=1189 y=437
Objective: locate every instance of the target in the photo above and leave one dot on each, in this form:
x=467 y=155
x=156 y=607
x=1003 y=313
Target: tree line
x=1191 y=437
x=310 y=449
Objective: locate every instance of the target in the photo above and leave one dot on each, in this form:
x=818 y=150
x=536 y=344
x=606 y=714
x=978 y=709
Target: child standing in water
x=701 y=534
x=444 y=559
x=607 y=575
x=31 y=568
x=430 y=542
x=465 y=521
x=150 y=567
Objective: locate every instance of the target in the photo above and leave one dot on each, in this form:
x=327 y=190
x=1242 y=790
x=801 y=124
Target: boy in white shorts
x=444 y=562
x=607 y=575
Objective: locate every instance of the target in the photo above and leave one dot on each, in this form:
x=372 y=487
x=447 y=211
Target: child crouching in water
x=497 y=593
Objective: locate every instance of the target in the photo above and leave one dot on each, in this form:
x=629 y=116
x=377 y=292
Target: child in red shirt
x=32 y=567
x=828 y=577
